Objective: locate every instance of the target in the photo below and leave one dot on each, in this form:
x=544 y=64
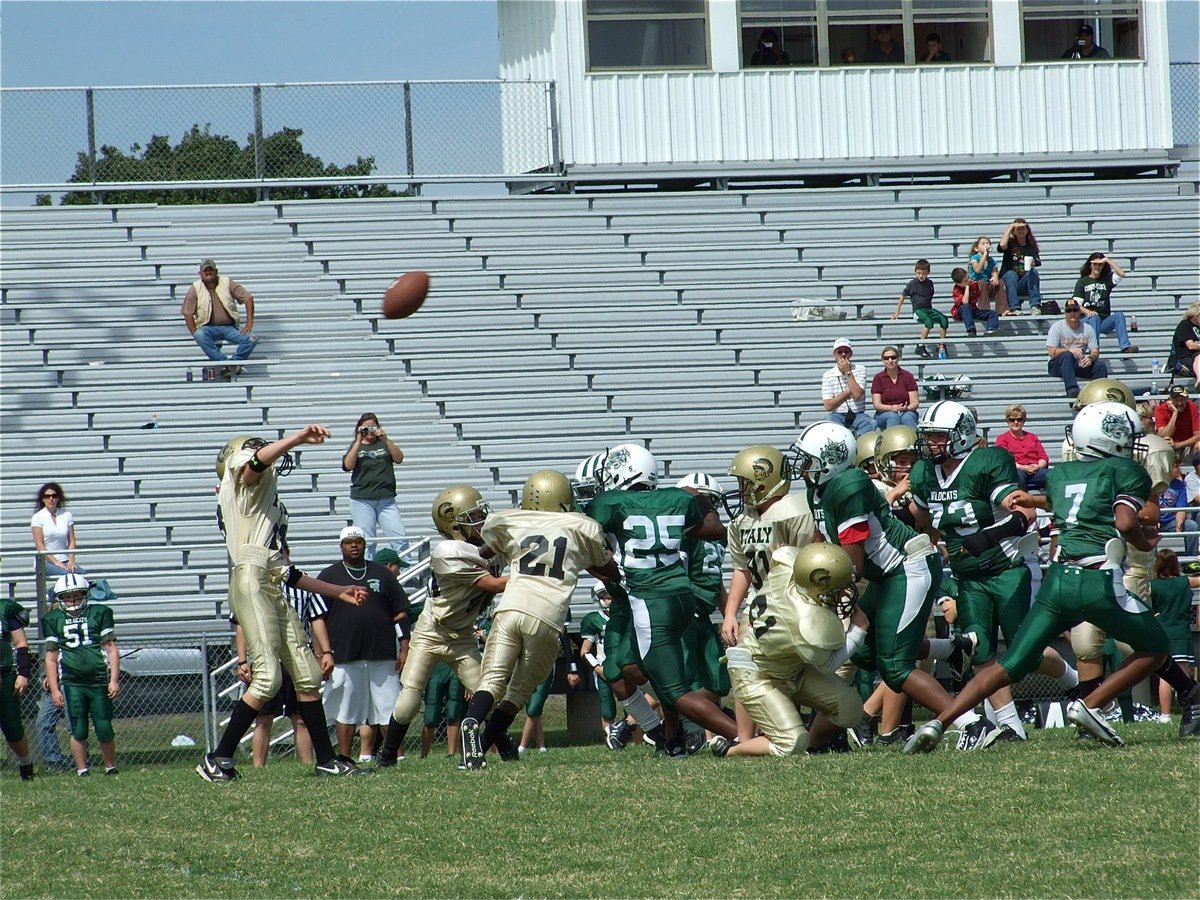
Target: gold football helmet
x=233 y=446
x=825 y=573
x=865 y=459
x=458 y=511
x=762 y=473
x=893 y=441
x=1105 y=390
x=549 y=491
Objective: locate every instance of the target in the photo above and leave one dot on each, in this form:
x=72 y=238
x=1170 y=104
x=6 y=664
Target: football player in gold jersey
x=466 y=581
x=548 y=544
x=787 y=654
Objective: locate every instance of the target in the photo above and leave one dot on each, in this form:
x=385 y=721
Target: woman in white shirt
x=54 y=531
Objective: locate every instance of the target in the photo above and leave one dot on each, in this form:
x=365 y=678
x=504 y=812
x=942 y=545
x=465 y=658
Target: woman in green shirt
x=372 y=461
x=1097 y=278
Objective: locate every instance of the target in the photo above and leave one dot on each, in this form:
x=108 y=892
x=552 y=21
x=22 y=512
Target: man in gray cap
x=210 y=310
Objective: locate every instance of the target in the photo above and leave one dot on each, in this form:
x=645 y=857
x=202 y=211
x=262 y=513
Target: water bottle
x=941 y=352
x=1133 y=323
x=1156 y=367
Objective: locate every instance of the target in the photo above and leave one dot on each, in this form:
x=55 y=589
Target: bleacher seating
x=557 y=325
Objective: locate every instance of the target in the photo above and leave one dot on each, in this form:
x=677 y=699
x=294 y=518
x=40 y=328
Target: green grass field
x=1048 y=818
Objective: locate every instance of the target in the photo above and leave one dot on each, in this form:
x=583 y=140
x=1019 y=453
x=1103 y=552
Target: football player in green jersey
x=16 y=667
x=591 y=651
x=1095 y=503
x=702 y=641
x=958 y=491
x=646 y=528
x=83 y=634
x=1171 y=595
x=901 y=564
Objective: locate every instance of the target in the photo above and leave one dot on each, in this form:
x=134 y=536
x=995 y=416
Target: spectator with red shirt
x=894 y=393
x=1178 y=421
x=1026 y=449
x=966 y=304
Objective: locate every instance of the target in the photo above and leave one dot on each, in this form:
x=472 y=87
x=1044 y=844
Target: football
x=405 y=295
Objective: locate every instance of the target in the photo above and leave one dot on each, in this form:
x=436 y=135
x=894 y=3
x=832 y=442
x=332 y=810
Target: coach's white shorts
x=362 y=692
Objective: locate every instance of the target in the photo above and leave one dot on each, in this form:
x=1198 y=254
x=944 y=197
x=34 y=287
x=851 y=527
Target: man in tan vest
x=210 y=310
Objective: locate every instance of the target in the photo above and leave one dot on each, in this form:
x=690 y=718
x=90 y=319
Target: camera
x=1079 y=43
x=368 y=429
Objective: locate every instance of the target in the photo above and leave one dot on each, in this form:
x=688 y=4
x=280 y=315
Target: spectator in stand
x=1171 y=519
x=1019 y=267
x=1145 y=412
x=1171 y=599
x=1185 y=345
x=920 y=291
x=372 y=461
x=933 y=49
x=985 y=275
x=849 y=57
x=210 y=311
x=1085 y=46
x=54 y=530
x=1073 y=351
x=883 y=49
x=769 y=51
x=1097 y=278
x=842 y=393
x=966 y=304
x=1026 y=449
x=894 y=393
x=1178 y=421
x=364 y=686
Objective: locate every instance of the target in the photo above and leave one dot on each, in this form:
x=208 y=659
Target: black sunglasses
x=886 y=358
x=50 y=494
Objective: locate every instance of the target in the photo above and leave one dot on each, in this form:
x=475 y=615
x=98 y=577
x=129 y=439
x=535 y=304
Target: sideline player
x=645 y=528
x=591 y=651
x=254 y=522
x=466 y=581
x=16 y=668
x=1095 y=502
x=548 y=544
x=785 y=657
x=83 y=634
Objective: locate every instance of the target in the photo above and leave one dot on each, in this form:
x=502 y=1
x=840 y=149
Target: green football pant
x=620 y=649
x=659 y=622
x=702 y=652
x=901 y=603
x=10 y=708
x=444 y=697
x=608 y=702
x=89 y=700
x=537 y=700
x=1070 y=595
x=993 y=603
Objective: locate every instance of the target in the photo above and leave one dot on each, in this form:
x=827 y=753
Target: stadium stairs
x=557 y=325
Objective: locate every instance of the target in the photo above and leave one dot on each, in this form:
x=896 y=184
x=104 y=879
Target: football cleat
x=839 y=743
x=979 y=735
x=1006 y=735
x=1079 y=713
x=1189 y=703
x=509 y=752
x=719 y=745
x=959 y=660
x=26 y=771
x=902 y=734
x=694 y=742
x=472 y=749
x=339 y=766
x=211 y=770
x=925 y=739
x=863 y=734
x=112 y=771
x=84 y=773
x=618 y=735
x=385 y=759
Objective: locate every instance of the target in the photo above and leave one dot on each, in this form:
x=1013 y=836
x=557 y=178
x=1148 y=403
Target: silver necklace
x=352 y=575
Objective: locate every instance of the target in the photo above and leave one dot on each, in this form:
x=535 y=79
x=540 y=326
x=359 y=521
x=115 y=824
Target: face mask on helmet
x=71 y=590
x=628 y=466
x=1106 y=429
x=946 y=431
x=762 y=474
x=458 y=512
x=601 y=596
x=824 y=573
x=822 y=452
x=895 y=453
x=586 y=483
x=283 y=465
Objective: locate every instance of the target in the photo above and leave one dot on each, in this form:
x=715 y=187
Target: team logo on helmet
x=445 y=510
x=834 y=454
x=763 y=468
x=821 y=578
x=617 y=458
x=1115 y=427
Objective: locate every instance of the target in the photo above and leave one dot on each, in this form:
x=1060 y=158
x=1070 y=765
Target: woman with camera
x=371 y=460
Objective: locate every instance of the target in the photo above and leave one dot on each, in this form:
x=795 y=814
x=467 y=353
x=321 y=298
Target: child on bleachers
x=920 y=291
x=966 y=304
x=986 y=274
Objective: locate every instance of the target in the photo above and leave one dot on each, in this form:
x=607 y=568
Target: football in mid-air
x=405 y=295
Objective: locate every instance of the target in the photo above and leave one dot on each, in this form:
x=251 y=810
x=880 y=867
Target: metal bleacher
x=557 y=324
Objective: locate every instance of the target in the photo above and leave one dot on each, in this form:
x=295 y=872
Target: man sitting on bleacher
x=1073 y=350
x=842 y=391
x=210 y=310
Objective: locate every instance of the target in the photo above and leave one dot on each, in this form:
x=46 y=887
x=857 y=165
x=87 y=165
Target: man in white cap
x=842 y=391
x=366 y=655
x=210 y=310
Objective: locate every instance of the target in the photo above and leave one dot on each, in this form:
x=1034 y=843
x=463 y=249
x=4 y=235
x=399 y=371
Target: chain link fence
x=1185 y=103
x=402 y=130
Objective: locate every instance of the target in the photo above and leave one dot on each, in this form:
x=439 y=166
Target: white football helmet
x=1105 y=429
x=586 y=483
x=628 y=465
x=601 y=596
x=702 y=484
x=953 y=420
x=72 y=590
x=822 y=451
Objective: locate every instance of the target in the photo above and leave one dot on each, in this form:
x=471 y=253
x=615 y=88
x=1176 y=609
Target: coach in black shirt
x=366 y=656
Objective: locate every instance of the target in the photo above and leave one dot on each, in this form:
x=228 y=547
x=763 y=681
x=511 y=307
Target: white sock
x=639 y=707
x=1068 y=679
x=989 y=711
x=25 y=760
x=1008 y=715
x=940 y=648
x=970 y=717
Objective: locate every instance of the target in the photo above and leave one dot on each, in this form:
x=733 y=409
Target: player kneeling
x=786 y=657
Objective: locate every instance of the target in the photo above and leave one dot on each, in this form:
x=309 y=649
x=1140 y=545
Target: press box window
x=646 y=34
x=1051 y=28
x=790 y=25
x=964 y=27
